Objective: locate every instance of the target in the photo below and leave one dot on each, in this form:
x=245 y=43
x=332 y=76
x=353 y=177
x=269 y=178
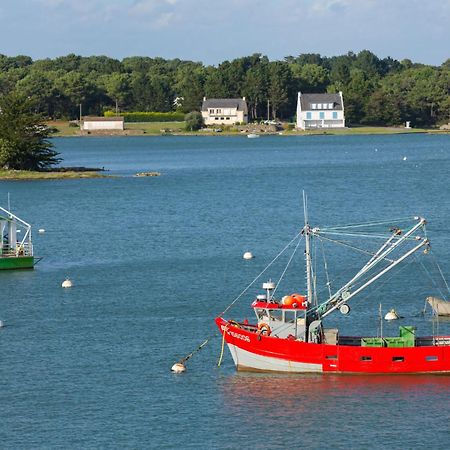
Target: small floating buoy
x=41 y=230
x=405 y=158
x=66 y=283
x=1 y=324
x=248 y=255
x=391 y=315
x=178 y=368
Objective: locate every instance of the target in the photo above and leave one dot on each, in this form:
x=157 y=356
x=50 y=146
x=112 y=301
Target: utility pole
x=268 y=109
x=117 y=107
x=80 y=116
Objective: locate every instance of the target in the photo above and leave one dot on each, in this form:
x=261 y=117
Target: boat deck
x=355 y=341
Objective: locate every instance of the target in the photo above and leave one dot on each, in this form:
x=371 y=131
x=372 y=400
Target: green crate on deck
x=408 y=333
x=372 y=342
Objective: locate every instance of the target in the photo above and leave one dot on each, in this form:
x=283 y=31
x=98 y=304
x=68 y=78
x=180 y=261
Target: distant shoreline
x=63 y=173
x=177 y=129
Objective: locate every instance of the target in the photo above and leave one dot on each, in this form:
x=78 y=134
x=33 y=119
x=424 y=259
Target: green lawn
x=156 y=127
x=366 y=130
x=139 y=128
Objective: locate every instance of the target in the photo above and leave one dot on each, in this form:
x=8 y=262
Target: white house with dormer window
x=320 y=111
x=224 y=111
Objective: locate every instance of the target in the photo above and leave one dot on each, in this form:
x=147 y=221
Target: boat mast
x=307 y=251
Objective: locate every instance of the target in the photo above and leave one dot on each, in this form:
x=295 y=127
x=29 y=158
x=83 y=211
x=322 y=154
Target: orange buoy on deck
x=299 y=298
x=288 y=300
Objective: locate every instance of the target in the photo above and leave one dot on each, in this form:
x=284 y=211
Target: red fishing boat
x=290 y=333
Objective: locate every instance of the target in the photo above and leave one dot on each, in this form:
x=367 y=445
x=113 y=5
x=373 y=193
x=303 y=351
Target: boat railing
x=21 y=249
x=441 y=340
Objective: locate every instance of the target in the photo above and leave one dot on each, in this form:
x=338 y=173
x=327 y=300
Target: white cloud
x=153 y=13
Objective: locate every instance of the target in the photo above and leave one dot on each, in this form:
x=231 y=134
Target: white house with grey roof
x=224 y=111
x=320 y=111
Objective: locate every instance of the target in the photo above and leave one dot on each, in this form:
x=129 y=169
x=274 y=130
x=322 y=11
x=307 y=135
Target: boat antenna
x=307 y=250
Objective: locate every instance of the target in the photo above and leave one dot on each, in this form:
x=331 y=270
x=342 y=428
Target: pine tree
x=24 y=143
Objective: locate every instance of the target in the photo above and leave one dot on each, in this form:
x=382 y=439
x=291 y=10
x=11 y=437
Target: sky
x=212 y=31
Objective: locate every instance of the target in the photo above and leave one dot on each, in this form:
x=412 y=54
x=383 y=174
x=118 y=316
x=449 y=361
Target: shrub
x=149 y=116
x=194 y=121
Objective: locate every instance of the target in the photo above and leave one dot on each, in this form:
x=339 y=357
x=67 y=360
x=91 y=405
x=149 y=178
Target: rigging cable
x=325 y=265
x=287 y=265
x=370 y=224
x=299 y=234
x=345 y=244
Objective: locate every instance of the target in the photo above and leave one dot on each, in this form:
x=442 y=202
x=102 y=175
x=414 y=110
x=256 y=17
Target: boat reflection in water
x=338 y=408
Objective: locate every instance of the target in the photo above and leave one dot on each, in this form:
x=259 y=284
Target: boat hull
x=251 y=352
x=19 y=262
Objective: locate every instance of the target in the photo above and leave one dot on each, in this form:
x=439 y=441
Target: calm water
x=153 y=261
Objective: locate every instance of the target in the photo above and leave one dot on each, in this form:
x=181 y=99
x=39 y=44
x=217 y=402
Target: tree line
x=376 y=91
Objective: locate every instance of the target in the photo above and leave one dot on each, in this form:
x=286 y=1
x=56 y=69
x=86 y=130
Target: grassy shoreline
x=56 y=175
x=177 y=129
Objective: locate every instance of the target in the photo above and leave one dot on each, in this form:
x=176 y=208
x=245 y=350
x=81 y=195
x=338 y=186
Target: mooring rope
x=223 y=346
x=183 y=360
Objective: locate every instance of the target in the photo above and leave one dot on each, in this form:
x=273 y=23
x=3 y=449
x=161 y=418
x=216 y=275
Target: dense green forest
x=376 y=91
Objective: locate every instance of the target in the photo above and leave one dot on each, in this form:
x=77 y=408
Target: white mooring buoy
x=41 y=230
x=248 y=255
x=391 y=315
x=66 y=283
x=405 y=158
x=178 y=368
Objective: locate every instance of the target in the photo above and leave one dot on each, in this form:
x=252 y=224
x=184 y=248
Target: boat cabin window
x=289 y=316
x=366 y=358
x=431 y=358
x=276 y=314
x=260 y=313
x=398 y=358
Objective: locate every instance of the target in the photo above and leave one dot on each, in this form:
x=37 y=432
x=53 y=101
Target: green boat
x=16 y=248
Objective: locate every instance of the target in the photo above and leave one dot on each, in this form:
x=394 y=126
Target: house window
x=218 y=111
x=321 y=115
x=216 y=118
x=319 y=105
x=309 y=115
x=314 y=106
x=330 y=105
x=335 y=115
x=227 y=118
x=211 y=111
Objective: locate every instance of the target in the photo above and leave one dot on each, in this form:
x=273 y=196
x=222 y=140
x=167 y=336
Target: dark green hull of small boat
x=19 y=262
